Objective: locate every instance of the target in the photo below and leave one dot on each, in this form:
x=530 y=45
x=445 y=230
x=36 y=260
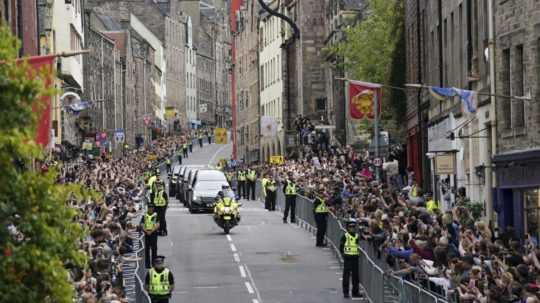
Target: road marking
x=216 y=153
x=255 y=301
x=229 y=238
x=236 y=258
x=249 y=288
x=253 y=282
x=233 y=248
x=242 y=271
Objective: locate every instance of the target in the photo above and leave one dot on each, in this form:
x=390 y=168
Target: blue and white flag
x=468 y=97
x=77 y=107
x=442 y=93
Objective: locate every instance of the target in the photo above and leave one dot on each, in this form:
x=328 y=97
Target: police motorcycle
x=226 y=210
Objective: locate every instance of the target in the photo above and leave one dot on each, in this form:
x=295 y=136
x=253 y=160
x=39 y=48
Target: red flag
x=361 y=99
x=43 y=109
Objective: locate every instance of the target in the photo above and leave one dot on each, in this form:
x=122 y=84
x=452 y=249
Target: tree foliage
x=374 y=52
x=39 y=235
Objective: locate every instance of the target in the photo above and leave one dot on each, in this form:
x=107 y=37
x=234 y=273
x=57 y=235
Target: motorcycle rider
x=226 y=201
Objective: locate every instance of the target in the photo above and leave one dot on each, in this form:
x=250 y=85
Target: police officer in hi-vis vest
x=159 y=282
x=320 y=212
x=270 y=188
x=251 y=180
x=350 y=250
x=242 y=193
x=150 y=226
x=160 y=201
x=200 y=137
x=290 y=190
x=190 y=143
x=185 y=149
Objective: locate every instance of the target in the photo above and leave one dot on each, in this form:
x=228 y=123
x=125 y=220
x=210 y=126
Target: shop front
x=518 y=192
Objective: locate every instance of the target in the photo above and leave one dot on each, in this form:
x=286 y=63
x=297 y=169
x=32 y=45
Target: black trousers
x=321 y=220
x=350 y=270
x=209 y=139
x=150 y=249
x=270 y=200
x=180 y=159
x=185 y=152
x=251 y=189
x=191 y=147
x=200 y=142
x=290 y=206
x=161 y=211
x=242 y=189
x=159 y=299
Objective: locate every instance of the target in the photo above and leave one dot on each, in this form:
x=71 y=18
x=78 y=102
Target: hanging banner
x=42 y=108
x=361 y=99
x=269 y=126
x=220 y=135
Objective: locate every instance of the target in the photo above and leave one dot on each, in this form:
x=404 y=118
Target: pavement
x=262 y=260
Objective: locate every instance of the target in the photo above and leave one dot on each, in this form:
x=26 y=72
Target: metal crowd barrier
x=139 y=295
x=379 y=286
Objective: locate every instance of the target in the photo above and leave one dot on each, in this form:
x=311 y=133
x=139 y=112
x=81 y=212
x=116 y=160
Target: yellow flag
x=220 y=135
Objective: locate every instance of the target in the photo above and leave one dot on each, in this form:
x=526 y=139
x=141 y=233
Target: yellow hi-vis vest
x=252 y=175
x=159 y=282
x=414 y=191
x=351 y=245
x=321 y=208
x=150 y=221
x=151 y=181
x=432 y=205
x=271 y=185
x=290 y=189
x=159 y=200
x=241 y=176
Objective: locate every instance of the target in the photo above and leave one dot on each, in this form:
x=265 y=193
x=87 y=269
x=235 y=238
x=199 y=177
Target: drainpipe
x=491 y=181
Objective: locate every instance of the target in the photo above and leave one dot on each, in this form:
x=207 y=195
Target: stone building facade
x=339 y=14
x=223 y=70
x=102 y=81
x=446 y=41
x=518 y=145
x=272 y=93
x=247 y=82
x=206 y=72
x=21 y=17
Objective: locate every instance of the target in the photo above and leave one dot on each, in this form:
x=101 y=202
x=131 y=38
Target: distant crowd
x=109 y=220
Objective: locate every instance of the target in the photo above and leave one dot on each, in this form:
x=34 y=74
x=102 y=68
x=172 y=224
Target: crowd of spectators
x=443 y=247
x=108 y=217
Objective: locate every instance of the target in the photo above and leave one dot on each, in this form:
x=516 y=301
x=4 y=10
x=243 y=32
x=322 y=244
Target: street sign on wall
x=445 y=164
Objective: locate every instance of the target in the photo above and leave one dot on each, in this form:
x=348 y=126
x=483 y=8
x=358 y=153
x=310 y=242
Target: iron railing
x=379 y=286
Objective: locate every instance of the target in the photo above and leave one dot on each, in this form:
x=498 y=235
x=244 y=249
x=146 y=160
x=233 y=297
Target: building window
x=75 y=41
x=506 y=88
x=518 y=106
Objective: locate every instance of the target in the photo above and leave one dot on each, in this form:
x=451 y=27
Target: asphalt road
x=262 y=260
